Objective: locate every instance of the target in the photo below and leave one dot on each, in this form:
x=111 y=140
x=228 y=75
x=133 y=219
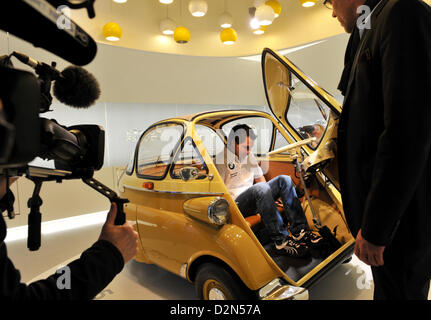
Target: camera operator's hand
x=3 y=189
x=124 y=237
x=2 y=186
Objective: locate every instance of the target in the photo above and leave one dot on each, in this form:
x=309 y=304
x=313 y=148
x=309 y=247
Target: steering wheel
x=292 y=146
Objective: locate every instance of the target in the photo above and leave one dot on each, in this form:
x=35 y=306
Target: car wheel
x=217 y=283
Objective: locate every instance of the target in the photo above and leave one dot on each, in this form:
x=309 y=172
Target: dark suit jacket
x=384 y=138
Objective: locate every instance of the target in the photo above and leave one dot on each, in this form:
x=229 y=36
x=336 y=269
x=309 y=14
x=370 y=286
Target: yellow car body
x=171 y=196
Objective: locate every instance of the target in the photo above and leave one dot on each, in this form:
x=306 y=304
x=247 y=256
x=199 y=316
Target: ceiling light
x=265 y=15
x=259 y=31
x=166 y=1
x=308 y=3
x=198 y=8
x=228 y=36
x=112 y=31
x=182 y=35
x=275 y=5
x=120 y=1
x=225 y=20
x=254 y=24
x=167 y=26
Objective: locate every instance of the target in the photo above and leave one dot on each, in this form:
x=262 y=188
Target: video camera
x=77 y=150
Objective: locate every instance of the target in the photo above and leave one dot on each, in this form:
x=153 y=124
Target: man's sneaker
x=308 y=237
x=293 y=248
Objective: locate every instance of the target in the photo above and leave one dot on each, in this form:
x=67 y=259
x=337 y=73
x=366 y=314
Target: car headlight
x=213 y=210
x=218 y=211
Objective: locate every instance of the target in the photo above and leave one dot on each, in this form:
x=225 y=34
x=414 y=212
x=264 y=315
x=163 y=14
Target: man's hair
x=239 y=133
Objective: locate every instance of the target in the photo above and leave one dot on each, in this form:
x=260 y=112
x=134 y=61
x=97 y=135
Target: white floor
x=352 y=281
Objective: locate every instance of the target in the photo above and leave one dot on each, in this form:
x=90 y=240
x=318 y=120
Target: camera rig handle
x=34 y=217
x=40 y=175
x=120 y=219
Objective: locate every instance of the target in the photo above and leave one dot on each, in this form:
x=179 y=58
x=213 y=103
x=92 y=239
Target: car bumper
x=276 y=290
x=288 y=293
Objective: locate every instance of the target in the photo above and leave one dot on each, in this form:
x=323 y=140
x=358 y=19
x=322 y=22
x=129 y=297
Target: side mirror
x=188 y=173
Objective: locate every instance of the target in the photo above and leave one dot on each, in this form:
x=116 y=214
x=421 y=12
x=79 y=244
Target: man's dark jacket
x=384 y=138
x=89 y=274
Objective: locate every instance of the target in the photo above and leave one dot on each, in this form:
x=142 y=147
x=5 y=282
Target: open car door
x=296 y=101
x=307 y=112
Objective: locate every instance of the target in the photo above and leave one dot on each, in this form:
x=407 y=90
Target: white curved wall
x=139 y=88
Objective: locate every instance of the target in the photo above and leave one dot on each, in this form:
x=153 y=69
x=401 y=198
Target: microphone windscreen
x=78 y=88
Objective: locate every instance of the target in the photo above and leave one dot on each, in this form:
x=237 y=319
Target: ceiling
x=140 y=19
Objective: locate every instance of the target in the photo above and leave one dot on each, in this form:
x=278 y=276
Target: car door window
x=280 y=141
x=156 y=149
x=211 y=140
x=261 y=126
x=189 y=156
x=307 y=114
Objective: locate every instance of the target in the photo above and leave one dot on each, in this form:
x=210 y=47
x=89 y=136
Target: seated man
x=239 y=170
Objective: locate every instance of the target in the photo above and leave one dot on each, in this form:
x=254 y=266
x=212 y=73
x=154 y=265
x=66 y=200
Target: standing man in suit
x=384 y=140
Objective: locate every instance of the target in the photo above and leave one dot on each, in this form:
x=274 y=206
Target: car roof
x=215 y=118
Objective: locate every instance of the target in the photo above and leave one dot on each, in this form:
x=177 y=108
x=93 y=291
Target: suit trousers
x=405 y=275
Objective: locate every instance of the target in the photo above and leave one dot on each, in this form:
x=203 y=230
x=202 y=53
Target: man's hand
x=367 y=252
x=3 y=189
x=123 y=237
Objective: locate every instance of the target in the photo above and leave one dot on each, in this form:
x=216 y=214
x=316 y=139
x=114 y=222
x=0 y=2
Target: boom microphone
x=72 y=43
x=74 y=86
x=77 y=87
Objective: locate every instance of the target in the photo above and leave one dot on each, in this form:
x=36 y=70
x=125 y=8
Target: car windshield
x=307 y=114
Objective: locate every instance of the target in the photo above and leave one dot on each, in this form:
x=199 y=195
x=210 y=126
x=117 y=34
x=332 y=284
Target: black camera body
x=77 y=150
x=19 y=118
x=24 y=135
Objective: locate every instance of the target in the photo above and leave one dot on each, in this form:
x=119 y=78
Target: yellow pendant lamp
x=308 y=3
x=275 y=5
x=182 y=35
x=228 y=36
x=112 y=31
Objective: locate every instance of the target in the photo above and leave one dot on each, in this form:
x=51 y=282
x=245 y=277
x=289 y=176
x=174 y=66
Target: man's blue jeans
x=261 y=197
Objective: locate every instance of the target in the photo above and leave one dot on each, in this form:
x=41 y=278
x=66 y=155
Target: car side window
x=280 y=141
x=261 y=126
x=307 y=114
x=130 y=165
x=189 y=156
x=211 y=140
x=156 y=150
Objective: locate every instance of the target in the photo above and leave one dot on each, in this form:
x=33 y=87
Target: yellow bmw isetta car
x=189 y=224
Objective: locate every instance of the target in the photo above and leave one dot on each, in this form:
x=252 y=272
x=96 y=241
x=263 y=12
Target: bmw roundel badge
x=231 y=165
